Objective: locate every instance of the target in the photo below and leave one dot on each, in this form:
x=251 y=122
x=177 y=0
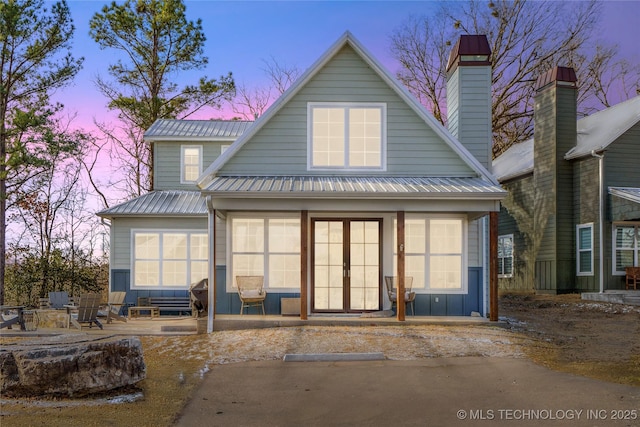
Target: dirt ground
x=594 y=339
x=564 y=333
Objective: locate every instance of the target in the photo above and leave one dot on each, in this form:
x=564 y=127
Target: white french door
x=346 y=260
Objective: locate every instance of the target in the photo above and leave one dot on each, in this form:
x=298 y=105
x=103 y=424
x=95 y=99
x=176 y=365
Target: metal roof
x=165 y=129
x=355 y=187
x=517 y=160
x=599 y=130
x=173 y=202
x=628 y=193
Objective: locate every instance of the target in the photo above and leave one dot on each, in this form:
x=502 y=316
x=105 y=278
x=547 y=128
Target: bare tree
x=251 y=103
x=526 y=39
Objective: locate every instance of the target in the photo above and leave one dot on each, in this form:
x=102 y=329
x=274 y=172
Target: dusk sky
x=241 y=34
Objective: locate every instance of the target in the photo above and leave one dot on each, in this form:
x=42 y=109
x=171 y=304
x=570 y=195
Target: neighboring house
x=572 y=220
x=312 y=196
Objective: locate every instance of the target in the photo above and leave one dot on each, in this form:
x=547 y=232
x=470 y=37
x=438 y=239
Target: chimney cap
x=563 y=76
x=470 y=50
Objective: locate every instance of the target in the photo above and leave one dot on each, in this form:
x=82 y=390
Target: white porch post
x=211 y=310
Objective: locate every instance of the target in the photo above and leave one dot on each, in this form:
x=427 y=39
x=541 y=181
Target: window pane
x=585 y=262
x=198 y=271
x=190 y=163
x=624 y=237
x=623 y=259
x=284 y=235
x=147 y=245
x=248 y=235
x=174 y=273
x=446 y=272
x=284 y=271
x=365 y=143
x=415 y=236
x=584 y=238
x=247 y=265
x=445 y=236
x=328 y=137
x=191 y=173
x=147 y=273
x=174 y=246
x=508 y=266
x=199 y=246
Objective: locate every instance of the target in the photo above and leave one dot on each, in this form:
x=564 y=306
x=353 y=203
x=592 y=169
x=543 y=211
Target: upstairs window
x=191 y=163
x=347 y=136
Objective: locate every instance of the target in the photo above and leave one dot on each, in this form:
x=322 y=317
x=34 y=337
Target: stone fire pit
x=70 y=365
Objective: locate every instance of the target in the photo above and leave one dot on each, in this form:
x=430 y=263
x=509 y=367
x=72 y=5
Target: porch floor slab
x=631 y=297
x=229 y=322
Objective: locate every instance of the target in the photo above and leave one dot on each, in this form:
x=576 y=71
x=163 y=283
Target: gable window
x=191 y=163
x=168 y=259
x=434 y=254
x=347 y=136
x=266 y=246
x=505 y=256
x=584 y=245
x=626 y=244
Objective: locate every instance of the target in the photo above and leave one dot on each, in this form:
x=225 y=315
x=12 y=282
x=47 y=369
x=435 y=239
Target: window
x=168 y=259
x=584 y=245
x=505 y=255
x=347 y=136
x=268 y=247
x=191 y=165
x=626 y=243
x=434 y=254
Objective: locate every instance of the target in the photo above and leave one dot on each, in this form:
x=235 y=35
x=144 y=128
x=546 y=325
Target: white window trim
x=509 y=236
x=182 y=149
x=578 y=250
x=230 y=286
x=188 y=232
x=613 y=245
x=464 y=289
x=383 y=137
x=224 y=148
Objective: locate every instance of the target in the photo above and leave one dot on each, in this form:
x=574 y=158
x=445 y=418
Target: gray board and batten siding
x=555 y=118
x=280 y=146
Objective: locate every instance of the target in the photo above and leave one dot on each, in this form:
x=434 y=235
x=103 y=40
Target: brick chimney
x=554 y=135
x=469 y=96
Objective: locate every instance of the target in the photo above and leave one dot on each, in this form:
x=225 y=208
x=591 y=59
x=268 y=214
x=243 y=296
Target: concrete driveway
x=464 y=391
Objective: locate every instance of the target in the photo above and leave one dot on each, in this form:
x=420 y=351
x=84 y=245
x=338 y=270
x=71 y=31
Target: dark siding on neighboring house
x=586 y=210
x=555 y=134
x=523 y=194
x=621 y=169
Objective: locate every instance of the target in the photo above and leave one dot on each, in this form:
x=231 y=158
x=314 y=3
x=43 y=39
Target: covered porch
x=325 y=211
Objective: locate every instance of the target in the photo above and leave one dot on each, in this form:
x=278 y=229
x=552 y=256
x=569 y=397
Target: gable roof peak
x=347 y=38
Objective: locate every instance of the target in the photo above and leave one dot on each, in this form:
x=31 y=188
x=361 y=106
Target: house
x=571 y=222
x=345 y=179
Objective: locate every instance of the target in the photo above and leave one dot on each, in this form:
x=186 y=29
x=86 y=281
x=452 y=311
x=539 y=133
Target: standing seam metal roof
x=182 y=203
x=340 y=186
x=177 y=129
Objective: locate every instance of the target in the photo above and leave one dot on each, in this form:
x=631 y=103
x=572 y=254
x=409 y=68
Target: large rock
x=70 y=365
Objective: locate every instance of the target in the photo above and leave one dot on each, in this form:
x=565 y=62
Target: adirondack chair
x=86 y=311
x=112 y=309
x=58 y=300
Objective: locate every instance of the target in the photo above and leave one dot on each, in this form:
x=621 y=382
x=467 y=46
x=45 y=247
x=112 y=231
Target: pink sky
x=242 y=34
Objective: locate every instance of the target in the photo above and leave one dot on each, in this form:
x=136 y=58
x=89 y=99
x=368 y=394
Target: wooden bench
x=134 y=312
x=166 y=304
